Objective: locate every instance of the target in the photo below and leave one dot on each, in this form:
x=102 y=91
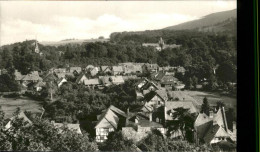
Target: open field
x=197 y=98
x=9 y=105
x=213 y=98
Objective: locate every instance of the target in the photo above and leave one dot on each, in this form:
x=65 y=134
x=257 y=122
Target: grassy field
x=9 y=105
x=213 y=98
x=197 y=98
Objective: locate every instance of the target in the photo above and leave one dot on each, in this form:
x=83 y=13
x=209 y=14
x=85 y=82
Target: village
x=160 y=93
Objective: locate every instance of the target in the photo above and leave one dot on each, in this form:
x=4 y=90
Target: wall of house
x=102 y=133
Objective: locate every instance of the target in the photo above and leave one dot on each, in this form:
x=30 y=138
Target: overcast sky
x=58 y=20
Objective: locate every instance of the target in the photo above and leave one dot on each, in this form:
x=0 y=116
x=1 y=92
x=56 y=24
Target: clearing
x=9 y=105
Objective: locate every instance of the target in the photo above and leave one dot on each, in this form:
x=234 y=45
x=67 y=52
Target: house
x=39 y=85
x=71 y=127
x=64 y=75
x=110 y=120
x=139 y=125
x=129 y=77
x=109 y=80
x=75 y=70
x=106 y=69
x=130 y=67
x=94 y=71
x=168 y=81
x=171 y=105
x=117 y=70
x=81 y=78
x=3 y=71
x=146 y=84
x=60 y=70
x=181 y=70
x=213 y=128
x=150 y=67
x=117 y=80
x=60 y=81
x=154 y=99
x=26 y=79
x=89 y=67
x=21 y=115
x=92 y=82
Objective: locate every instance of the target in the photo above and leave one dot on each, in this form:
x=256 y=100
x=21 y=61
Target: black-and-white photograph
x=118 y=76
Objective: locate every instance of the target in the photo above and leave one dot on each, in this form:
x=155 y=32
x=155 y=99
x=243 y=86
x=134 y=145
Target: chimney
x=165 y=112
x=127 y=117
x=210 y=114
x=150 y=117
x=136 y=120
x=224 y=118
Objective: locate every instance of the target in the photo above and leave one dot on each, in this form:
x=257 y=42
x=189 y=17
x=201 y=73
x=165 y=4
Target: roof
x=129 y=77
x=118 y=111
x=104 y=68
x=72 y=127
x=181 y=95
x=21 y=115
x=90 y=67
x=215 y=131
x=33 y=76
x=39 y=84
x=149 y=96
x=78 y=69
x=91 y=81
x=181 y=104
x=117 y=79
x=110 y=118
x=202 y=118
x=117 y=68
x=81 y=77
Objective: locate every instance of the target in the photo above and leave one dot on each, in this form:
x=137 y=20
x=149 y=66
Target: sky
x=59 y=20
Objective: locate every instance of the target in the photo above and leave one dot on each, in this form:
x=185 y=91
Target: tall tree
x=205 y=106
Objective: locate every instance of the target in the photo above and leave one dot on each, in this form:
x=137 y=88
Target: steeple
x=36 y=50
x=161 y=43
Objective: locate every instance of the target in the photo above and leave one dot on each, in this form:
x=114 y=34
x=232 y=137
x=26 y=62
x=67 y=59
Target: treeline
x=200 y=53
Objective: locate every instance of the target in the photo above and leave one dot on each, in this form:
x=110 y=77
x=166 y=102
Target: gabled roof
x=81 y=77
x=110 y=118
x=72 y=69
x=215 y=131
x=33 y=76
x=202 y=118
x=72 y=127
x=118 y=111
x=21 y=115
x=105 y=68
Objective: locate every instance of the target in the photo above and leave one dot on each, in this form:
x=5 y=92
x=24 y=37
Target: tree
x=205 y=106
x=183 y=120
x=226 y=72
x=117 y=142
x=153 y=142
x=220 y=104
x=41 y=136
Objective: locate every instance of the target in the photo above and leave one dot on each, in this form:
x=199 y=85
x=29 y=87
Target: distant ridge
x=72 y=41
x=206 y=21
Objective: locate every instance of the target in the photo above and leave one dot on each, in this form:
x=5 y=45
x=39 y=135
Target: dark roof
x=210 y=134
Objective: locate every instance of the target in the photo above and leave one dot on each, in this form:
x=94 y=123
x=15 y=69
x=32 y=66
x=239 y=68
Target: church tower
x=36 y=50
x=161 y=43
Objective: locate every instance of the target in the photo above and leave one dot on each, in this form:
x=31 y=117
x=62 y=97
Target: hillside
x=71 y=41
x=211 y=20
